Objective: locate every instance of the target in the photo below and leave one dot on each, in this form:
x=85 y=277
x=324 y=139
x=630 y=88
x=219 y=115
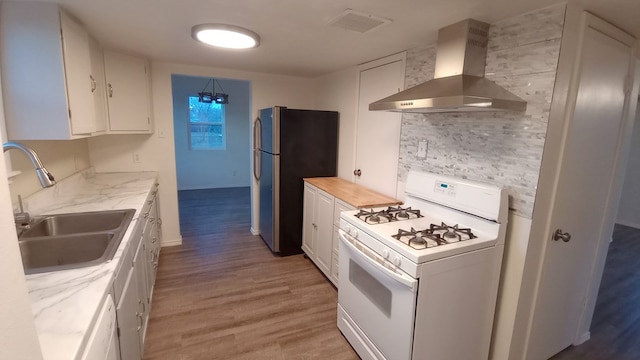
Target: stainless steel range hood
x=459 y=83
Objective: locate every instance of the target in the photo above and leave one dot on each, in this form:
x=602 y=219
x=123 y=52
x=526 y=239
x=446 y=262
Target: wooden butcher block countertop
x=351 y=193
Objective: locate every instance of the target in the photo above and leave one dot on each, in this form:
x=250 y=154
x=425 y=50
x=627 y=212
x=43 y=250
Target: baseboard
x=582 y=338
x=175 y=242
x=254 y=231
x=628 y=223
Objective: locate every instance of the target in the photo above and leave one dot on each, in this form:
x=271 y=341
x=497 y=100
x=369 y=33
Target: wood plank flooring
x=615 y=329
x=223 y=295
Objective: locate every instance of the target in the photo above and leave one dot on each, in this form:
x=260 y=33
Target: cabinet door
x=129 y=320
x=149 y=241
x=308 y=222
x=142 y=301
x=77 y=66
x=98 y=86
x=127 y=93
x=324 y=230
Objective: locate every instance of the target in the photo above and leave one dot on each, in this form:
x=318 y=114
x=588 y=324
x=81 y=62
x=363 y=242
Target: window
x=206 y=125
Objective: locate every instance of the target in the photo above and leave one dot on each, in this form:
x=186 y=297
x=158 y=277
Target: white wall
x=203 y=169
x=115 y=153
x=629 y=209
x=61 y=157
x=18 y=338
x=338 y=91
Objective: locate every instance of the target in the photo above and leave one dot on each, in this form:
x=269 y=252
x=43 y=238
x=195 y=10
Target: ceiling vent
x=357 y=21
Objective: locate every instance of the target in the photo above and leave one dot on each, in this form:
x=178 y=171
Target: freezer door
x=270 y=121
x=269 y=200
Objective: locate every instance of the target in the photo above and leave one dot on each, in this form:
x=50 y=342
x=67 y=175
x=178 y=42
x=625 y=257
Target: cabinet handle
x=153 y=240
x=146 y=215
x=149 y=202
x=110 y=90
x=93 y=84
x=144 y=306
x=139 y=316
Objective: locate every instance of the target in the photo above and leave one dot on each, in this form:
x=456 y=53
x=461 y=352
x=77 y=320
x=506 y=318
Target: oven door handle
x=371 y=260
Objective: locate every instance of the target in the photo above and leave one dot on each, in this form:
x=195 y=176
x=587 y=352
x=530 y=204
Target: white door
x=378 y=132
x=586 y=188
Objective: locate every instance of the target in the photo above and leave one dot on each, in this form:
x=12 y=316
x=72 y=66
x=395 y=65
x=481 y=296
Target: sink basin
x=76 y=223
x=69 y=241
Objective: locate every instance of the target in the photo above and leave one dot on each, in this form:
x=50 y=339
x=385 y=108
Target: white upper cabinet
x=47 y=76
x=128 y=93
x=98 y=87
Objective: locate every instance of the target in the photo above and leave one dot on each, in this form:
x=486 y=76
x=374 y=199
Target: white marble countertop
x=65 y=303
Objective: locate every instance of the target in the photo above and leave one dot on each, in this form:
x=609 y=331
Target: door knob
x=357 y=172
x=559 y=235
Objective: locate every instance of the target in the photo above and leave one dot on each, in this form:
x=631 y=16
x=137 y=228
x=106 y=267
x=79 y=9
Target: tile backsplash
x=502 y=148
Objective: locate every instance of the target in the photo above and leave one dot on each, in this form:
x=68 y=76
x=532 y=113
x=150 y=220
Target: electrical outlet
x=136 y=157
x=422 y=149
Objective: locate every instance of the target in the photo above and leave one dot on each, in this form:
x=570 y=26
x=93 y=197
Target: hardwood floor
x=223 y=295
x=615 y=329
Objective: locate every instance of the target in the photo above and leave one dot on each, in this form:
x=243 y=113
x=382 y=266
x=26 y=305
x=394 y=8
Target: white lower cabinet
x=320 y=218
x=128 y=319
x=133 y=284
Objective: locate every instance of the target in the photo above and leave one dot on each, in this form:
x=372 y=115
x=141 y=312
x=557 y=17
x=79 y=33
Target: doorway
x=212 y=149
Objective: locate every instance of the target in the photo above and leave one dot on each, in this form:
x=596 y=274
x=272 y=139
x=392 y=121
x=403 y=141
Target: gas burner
x=387 y=215
x=452 y=233
x=400 y=213
x=374 y=217
x=419 y=239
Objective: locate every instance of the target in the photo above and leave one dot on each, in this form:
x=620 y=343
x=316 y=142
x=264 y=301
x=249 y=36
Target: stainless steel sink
x=65 y=224
x=68 y=241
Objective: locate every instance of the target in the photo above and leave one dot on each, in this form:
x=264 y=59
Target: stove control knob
x=354 y=233
x=348 y=229
x=385 y=253
x=397 y=261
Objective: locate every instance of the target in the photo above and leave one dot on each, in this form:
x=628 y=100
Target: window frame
x=222 y=124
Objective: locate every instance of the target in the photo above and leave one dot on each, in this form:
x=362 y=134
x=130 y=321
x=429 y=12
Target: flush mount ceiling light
x=226 y=36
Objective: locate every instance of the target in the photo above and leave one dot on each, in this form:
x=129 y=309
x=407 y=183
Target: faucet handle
x=21 y=217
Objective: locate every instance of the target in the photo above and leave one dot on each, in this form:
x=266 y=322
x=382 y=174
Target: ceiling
x=296 y=38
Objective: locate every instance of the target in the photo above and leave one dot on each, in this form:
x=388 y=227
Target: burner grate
x=435 y=235
x=388 y=215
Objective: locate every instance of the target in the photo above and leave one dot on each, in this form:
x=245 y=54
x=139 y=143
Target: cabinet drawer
x=334 y=270
x=122 y=274
x=335 y=239
x=339 y=207
x=126 y=263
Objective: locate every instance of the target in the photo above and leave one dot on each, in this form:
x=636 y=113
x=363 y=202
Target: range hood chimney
x=459 y=84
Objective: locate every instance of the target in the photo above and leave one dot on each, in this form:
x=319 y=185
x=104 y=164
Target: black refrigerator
x=289 y=145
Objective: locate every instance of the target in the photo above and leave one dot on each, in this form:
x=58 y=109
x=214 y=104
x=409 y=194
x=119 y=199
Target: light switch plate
x=422 y=149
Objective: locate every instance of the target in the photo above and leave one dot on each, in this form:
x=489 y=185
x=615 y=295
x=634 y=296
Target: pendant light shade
x=225 y=36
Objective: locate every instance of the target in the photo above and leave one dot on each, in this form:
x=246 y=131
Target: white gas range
x=420 y=281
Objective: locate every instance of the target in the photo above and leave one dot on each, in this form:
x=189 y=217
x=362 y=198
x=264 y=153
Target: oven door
x=379 y=302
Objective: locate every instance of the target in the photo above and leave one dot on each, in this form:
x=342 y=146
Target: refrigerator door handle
x=257 y=134
x=257 y=145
